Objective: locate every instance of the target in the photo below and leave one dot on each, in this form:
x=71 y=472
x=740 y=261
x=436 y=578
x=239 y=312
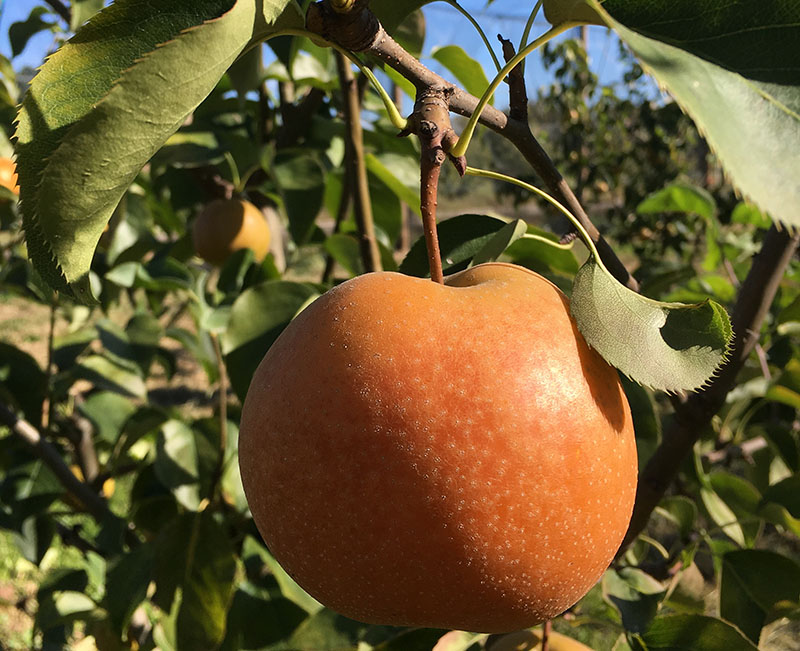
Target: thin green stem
x=529 y=25
x=235 y=178
x=391 y=108
x=472 y=171
x=479 y=29
x=396 y=118
x=544 y=240
x=463 y=142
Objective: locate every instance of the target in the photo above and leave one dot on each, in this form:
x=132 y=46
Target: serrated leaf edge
x=30 y=220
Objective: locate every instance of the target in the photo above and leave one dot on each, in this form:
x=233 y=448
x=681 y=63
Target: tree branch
x=93 y=502
x=693 y=413
x=61 y=9
x=359 y=30
x=368 y=244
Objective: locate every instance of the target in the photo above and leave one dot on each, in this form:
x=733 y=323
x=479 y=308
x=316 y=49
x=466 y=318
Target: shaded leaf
x=258 y=316
x=694 y=633
x=20 y=33
x=126 y=585
x=23 y=381
x=301 y=181
x=195 y=559
x=345 y=250
x=288 y=586
x=460 y=238
x=536 y=254
x=500 y=241
x=666 y=346
x=752 y=582
x=681 y=510
x=635 y=594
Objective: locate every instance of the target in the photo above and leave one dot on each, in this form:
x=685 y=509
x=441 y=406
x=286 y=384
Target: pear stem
x=430 y=121
x=430 y=168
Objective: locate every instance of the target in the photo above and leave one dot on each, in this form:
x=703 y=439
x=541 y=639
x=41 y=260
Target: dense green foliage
x=140 y=393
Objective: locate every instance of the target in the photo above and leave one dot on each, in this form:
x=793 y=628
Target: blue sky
x=506 y=17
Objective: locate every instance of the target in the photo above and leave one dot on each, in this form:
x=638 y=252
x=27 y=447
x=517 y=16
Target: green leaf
x=460 y=238
x=646 y=423
x=108 y=413
x=177 y=463
x=780 y=504
x=112 y=376
x=680 y=198
x=257 y=318
x=500 y=241
x=20 y=33
x=345 y=250
x=680 y=510
x=753 y=581
x=635 y=594
x=694 y=633
x=399 y=173
x=327 y=631
x=23 y=381
x=85 y=130
x=747 y=213
x=410 y=33
x=301 y=181
x=722 y=515
x=732 y=66
x=466 y=70
x=743 y=500
x=666 y=346
x=126 y=585
x=257 y=620
x=83 y=10
x=543 y=253
x=393 y=12
x=195 y=559
x=288 y=586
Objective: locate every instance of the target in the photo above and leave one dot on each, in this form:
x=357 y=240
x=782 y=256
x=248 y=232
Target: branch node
x=355 y=29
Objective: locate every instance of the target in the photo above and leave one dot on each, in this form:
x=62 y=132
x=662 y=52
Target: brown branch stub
x=517 y=93
x=694 y=413
x=355 y=29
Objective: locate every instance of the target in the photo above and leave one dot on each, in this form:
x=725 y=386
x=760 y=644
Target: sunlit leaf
x=732 y=66
x=85 y=130
x=467 y=71
x=666 y=346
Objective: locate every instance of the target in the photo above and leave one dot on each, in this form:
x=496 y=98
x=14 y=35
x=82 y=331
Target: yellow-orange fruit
x=452 y=456
x=8 y=175
x=228 y=225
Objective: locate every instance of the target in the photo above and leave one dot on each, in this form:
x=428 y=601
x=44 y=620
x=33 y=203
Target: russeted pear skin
x=451 y=456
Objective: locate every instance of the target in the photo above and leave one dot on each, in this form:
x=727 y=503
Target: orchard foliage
x=120 y=487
